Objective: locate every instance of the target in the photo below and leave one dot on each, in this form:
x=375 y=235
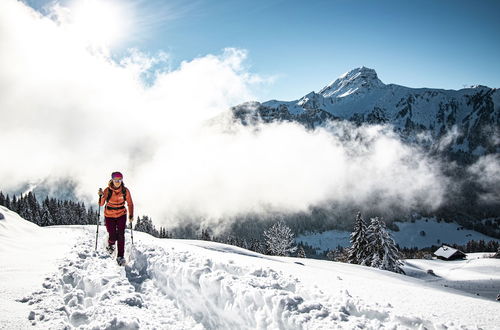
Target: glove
x=131 y=218
x=100 y=192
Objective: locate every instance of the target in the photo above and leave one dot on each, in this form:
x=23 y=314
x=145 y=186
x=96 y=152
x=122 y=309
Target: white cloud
x=486 y=172
x=66 y=110
x=447 y=139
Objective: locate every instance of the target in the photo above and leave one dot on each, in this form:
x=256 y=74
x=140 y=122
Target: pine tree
x=330 y=255
x=23 y=209
x=257 y=246
x=481 y=246
x=245 y=244
x=46 y=218
x=375 y=261
x=359 y=243
x=374 y=236
x=300 y=252
x=205 y=234
x=383 y=252
x=34 y=207
x=279 y=239
x=13 y=204
x=145 y=224
x=7 y=203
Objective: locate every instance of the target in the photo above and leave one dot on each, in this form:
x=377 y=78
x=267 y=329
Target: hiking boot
x=121 y=261
x=110 y=249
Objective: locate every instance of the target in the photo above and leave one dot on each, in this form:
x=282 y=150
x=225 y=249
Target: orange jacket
x=116 y=201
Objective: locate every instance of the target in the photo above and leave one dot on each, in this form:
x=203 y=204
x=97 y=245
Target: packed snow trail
x=181 y=290
x=92 y=291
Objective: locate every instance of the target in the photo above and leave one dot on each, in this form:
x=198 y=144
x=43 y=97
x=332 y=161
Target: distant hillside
x=421 y=233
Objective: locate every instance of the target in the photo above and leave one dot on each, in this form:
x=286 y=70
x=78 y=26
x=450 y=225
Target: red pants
x=116 y=231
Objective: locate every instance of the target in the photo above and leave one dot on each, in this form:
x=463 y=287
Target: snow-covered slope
x=421 y=233
x=479 y=274
x=176 y=284
x=28 y=253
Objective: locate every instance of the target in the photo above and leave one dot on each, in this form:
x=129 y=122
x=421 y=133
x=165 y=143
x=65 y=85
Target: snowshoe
x=110 y=249
x=121 y=261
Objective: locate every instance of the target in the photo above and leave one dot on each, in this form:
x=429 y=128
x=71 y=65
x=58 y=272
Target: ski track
x=167 y=288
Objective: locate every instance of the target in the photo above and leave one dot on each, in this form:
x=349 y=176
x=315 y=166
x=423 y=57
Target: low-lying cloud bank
x=69 y=111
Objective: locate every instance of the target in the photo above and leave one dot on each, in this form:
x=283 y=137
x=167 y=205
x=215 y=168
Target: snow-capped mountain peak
x=355 y=81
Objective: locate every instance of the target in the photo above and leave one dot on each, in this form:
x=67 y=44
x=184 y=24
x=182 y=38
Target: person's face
x=117 y=182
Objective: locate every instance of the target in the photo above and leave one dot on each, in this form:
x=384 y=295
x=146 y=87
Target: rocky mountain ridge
x=470 y=115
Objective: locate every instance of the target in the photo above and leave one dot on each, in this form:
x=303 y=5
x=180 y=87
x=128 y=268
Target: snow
x=478 y=274
x=293 y=107
x=409 y=235
x=351 y=82
x=445 y=251
x=54 y=279
x=436 y=233
x=28 y=253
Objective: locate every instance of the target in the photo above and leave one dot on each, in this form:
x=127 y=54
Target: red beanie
x=116 y=175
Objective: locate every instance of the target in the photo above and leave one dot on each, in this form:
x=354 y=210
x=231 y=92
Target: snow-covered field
x=409 y=235
x=51 y=278
x=478 y=274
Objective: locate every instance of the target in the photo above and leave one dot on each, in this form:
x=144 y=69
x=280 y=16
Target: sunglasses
x=117 y=180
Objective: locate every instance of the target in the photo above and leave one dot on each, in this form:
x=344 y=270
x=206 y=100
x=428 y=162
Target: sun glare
x=98 y=22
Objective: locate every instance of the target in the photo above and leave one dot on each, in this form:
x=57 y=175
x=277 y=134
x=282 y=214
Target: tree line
x=53 y=212
x=50 y=211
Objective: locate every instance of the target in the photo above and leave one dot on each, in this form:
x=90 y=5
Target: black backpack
x=124 y=192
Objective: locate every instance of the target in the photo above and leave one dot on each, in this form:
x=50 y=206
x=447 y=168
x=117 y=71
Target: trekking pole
x=98 y=221
x=132 y=232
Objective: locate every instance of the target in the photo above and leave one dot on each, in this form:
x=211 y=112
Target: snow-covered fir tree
x=46 y=218
x=257 y=246
x=206 y=234
x=279 y=239
x=382 y=252
x=330 y=255
x=300 y=252
x=359 y=243
x=145 y=224
x=50 y=211
x=164 y=233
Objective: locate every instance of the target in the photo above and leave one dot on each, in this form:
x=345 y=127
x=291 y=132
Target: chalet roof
x=446 y=252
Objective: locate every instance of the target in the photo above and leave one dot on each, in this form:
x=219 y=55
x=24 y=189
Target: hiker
x=115 y=214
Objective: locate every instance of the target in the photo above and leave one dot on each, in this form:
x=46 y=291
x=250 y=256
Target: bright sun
x=98 y=22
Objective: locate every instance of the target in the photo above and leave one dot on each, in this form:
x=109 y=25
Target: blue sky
x=305 y=45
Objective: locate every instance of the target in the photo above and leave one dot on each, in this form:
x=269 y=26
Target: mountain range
x=470 y=117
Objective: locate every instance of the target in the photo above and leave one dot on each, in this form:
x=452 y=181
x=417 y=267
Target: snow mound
x=12 y=222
